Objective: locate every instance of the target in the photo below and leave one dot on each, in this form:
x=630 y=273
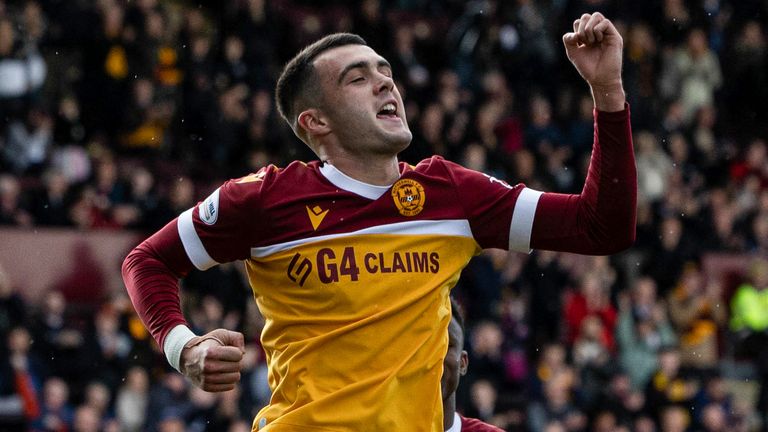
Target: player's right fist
x=212 y=361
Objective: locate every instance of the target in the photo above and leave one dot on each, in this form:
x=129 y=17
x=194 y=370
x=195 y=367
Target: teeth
x=388 y=108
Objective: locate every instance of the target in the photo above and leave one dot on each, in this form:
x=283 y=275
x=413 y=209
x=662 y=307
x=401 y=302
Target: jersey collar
x=456 y=423
x=343 y=181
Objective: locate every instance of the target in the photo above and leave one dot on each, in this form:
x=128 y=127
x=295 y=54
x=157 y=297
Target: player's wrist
x=174 y=344
x=609 y=97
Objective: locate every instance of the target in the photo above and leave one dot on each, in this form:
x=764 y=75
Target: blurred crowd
x=121 y=114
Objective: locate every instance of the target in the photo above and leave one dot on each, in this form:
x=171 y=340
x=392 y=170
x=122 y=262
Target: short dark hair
x=457 y=313
x=298 y=79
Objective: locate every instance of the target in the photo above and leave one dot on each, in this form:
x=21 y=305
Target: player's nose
x=383 y=83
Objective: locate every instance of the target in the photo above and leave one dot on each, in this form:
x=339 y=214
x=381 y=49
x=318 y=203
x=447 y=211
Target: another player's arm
x=151 y=273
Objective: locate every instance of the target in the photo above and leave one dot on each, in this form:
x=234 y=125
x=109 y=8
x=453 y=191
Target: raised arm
x=600 y=220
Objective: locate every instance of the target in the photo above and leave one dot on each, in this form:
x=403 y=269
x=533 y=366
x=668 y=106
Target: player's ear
x=313 y=122
x=463 y=363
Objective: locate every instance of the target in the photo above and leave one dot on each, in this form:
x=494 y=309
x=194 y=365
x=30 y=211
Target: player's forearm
x=151 y=274
x=600 y=220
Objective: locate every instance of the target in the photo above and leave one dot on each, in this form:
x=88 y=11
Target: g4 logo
x=299 y=268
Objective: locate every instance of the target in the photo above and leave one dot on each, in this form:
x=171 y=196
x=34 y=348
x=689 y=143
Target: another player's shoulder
x=475 y=425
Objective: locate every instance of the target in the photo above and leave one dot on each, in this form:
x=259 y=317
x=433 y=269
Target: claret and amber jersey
x=353 y=281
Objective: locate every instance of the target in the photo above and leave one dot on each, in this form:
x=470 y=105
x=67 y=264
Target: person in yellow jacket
x=749 y=319
x=749 y=306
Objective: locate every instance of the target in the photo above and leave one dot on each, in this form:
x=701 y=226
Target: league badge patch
x=209 y=209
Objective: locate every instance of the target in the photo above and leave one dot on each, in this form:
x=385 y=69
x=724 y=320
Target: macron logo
x=316 y=216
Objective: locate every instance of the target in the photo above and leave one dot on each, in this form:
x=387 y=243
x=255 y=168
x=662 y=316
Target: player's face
x=361 y=102
x=455 y=361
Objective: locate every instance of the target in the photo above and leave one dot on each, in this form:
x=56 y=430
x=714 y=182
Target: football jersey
x=466 y=424
x=475 y=425
x=353 y=282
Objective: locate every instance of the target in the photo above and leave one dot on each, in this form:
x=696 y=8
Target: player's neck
x=375 y=171
x=449 y=407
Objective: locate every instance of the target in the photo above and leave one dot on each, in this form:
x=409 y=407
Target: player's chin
x=400 y=140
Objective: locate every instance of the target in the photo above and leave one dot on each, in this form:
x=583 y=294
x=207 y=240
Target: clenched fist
x=595 y=49
x=212 y=361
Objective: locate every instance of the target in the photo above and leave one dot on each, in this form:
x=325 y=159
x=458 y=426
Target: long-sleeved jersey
x=353 y=279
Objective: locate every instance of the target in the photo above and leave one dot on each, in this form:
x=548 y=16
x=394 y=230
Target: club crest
x=408 y=196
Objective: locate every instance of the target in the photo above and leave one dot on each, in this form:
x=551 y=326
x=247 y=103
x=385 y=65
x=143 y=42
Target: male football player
x=454 y=367
x=351 y=258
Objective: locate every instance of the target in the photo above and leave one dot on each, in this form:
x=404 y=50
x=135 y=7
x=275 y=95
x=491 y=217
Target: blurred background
x=115 y=116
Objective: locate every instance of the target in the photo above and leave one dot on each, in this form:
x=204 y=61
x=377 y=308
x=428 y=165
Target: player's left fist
x=595 y=49
x=213 y=361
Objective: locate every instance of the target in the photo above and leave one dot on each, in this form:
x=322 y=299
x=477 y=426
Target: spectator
x=544 y=278
x=487 y=357
x=60 y=344
x=642 y=330
x=12 y=207
x=626 y=403
x=714 y=392
x=674 y=418
x=131 y=400
x=168 y=403
x=145 y=119
x=747 y=60
x=19 y=381
x=113 y=346
x=98 y=397
x=591 y=358
x=68 y=126
x=56 y=412
x=749 y=320
x=13 y=311
x=552 y=363
x=593 y=299
x=641 y=73
x=653 y=167
x=668 y=386
x=28 y=142
x=692 y=74
x=86 y=419
x=714 y=419
x=556 y=406
x=50 y=205
x=484 y=401
x=671 y=252
x=22 y=70
x=696 y=309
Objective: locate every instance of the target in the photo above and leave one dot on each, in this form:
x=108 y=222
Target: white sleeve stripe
x=522 y=220
x=174 y=344
x=192 y=244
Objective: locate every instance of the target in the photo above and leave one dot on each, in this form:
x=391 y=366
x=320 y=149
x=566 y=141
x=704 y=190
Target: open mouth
x=388 y=111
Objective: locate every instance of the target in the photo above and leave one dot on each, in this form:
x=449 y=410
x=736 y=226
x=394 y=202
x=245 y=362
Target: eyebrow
x=361 y=65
